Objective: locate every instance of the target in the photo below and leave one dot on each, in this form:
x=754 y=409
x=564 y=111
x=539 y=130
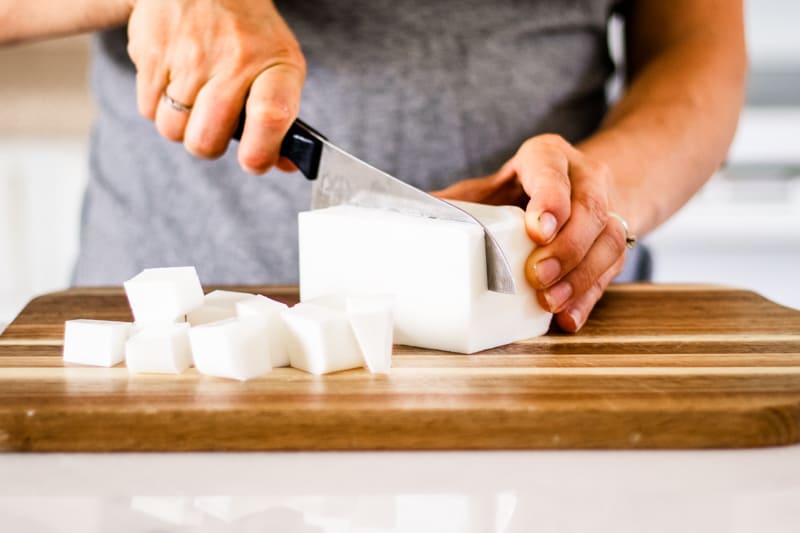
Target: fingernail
x=547 y=225
x=577 y=319
x=558 y=295
x=547 y=271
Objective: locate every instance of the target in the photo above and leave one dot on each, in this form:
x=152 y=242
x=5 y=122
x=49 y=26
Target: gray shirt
x=429 y=91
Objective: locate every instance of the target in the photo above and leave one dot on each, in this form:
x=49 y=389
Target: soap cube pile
x=231 y=334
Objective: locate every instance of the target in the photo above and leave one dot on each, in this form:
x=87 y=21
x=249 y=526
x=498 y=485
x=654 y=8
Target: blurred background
x=743 y=229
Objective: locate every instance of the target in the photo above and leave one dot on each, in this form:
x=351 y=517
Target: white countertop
x=615 y=491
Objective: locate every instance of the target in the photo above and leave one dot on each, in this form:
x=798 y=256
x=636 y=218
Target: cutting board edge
x=766 y=425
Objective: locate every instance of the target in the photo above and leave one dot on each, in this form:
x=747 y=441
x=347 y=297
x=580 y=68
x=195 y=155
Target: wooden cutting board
x=655 y=367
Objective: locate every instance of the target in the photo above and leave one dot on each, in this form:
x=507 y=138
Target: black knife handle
x=302 y=145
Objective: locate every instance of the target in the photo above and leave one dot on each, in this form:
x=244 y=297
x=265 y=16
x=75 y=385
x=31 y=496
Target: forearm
x=672 y=128
x=23 y=20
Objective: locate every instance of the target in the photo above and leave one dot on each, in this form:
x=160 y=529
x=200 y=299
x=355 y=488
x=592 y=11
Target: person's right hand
x=211 y=56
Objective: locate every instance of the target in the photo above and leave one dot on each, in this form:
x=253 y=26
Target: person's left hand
x=580 y=249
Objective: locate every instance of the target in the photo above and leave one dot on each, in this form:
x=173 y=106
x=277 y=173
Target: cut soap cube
x=371 y=320
x=370 y=317
x=217 y=305
x=237 y=348
x=269 y=312
x=321 y=339
x=95 y=342
x=163 y=294
x=436 y=270
x=159 y=348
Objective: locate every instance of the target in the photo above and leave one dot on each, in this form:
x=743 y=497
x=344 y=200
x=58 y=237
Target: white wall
x=773 y=41
x=743 y=234
x=44 y=123
x=41 y=184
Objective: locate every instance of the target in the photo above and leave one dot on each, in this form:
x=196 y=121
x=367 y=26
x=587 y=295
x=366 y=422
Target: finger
x=470 y=190
x=542 y=164
x=589 y=214
x=574 y=316
x=501 y=188
x=150 y=83
x=272 y=105
x=603 y=255
x=215 y=116
x=175 y=105
x=151 y=71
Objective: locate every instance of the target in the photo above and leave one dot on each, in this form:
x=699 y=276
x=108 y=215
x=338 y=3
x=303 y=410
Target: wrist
x=627 y=193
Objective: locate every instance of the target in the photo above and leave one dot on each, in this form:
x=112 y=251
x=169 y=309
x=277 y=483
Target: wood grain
x=655 y=367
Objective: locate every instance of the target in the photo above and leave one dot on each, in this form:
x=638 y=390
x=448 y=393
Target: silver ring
x=630 y=240
x=174 y=104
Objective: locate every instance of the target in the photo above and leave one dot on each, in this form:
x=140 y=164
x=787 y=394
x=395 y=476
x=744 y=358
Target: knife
x=340 y=178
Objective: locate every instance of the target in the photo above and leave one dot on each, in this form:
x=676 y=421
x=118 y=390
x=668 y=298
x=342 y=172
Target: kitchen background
x=742 y=230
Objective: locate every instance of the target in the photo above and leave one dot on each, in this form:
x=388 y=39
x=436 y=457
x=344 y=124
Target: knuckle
x=256 y=160
x=145 y=59
x=246 y=56
x=168 y=131
x=582 y=280
x=553 y=175
x=242 y=57
x=285 y=50
x=549 y=140
x=596 y=207
x=203 y=145
x=146 y=109
x=292 y=56
x=552 y=139
x=599 y=171
x=571 y=249
x=194 y=55
x=170 y=135
x=238 y=42
x=274 y=115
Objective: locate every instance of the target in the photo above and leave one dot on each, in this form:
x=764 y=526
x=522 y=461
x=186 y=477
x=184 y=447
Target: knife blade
x=341 y=178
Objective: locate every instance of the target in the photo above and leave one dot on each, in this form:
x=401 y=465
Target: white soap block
x=163 y=294
x=321 y=339
x=269 y=312
x=370 y=317
x=237 y=348
x=95 y=342
x=217 y=305
x=436 y=270
x=160 y=349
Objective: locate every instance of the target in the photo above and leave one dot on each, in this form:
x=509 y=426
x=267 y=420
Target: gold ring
x=630 y=240
x=174 y=104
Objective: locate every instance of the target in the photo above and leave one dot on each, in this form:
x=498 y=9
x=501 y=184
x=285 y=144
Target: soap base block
x=435 y=269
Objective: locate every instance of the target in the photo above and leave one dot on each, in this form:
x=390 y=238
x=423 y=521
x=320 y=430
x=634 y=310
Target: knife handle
x=302 y=145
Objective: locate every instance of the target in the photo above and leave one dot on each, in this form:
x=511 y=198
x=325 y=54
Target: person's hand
x=580 y=248
x=208 y=57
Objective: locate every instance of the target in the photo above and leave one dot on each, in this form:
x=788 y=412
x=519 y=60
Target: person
x=431 y=92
